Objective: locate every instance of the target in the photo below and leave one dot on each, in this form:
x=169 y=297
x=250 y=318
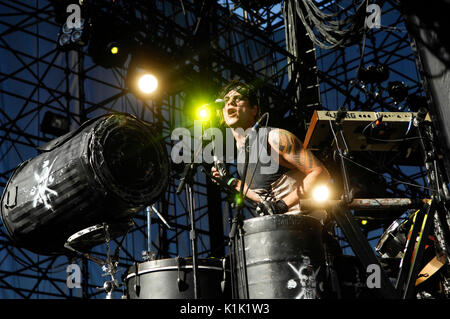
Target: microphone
x=257 y=125
x=340 y=115
x=219 y=103
x=220 y=166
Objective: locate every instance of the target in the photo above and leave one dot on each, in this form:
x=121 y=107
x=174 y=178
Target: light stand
x=187 y=182
x=148 y=255
x=97 y=234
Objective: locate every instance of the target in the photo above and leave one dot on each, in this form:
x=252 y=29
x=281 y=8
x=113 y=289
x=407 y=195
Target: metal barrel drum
x=173 y=279
x=284 y=258
x=105 y=171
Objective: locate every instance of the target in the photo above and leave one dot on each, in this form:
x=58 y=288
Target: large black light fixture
x=110 y=41
x=55 y=124
x=104 y=172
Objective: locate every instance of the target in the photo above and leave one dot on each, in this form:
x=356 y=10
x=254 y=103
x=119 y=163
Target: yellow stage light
x=321 y=193
x=147 y=83
x=203 y=113
x=115 y=50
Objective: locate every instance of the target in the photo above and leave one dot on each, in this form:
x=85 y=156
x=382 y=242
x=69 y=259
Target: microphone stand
x=148 y=255
x=237 y=224
x=187 y=182
x=237 y=221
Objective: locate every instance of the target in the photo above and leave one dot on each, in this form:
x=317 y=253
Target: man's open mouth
x=232 y=112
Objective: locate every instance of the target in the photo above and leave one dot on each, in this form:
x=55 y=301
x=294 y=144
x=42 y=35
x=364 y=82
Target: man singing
x=298 y=170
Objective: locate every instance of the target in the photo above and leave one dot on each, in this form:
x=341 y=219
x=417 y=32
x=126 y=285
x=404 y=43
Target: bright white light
x=321 y=193
x=147 y=83
x=203 y=113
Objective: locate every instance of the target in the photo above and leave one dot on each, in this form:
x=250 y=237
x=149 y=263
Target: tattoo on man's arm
x=289 y=144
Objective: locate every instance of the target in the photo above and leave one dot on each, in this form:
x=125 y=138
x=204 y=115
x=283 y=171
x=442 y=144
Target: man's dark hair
x=246 y=90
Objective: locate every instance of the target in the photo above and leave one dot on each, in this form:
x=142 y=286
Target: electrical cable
x=333 y=32
x=374 y=172
x=257 y=161
x=363 y=132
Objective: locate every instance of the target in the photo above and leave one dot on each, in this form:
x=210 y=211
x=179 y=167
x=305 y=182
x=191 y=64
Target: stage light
x=321 y=193
x=64 y=39
x=373 y=74
x=398 y=91
x=415 y=102
x=114 y=50
x=76 y=35
x=110 y=41
x=69 y=38
x=147 y=83
x=364 y=222
x=107 y=170
x=203 y=113
x=55 y=124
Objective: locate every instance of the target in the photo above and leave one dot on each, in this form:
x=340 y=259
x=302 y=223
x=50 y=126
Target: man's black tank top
x=257 y=178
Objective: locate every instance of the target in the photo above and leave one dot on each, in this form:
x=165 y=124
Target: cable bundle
x=328 y=30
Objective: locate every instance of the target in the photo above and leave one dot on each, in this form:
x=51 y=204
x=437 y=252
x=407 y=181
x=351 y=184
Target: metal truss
x=211 y=42
x=388 y=46
x=40 y=77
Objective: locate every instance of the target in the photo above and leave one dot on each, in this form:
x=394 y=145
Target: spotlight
x=398 y=91
x=321 y=193
x=69 y=38
x=144 y=77
x=114 y=49
x=110 y=41
x=106 y=170
x=373 y=74
x=415 y=102
x=64 y=39
x=55 y=124
x=147 y=83
x=364 y=222
x=203 y=113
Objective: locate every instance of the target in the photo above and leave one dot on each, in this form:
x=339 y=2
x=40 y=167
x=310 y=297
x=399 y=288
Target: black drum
x=173 y=279
x=284 y=258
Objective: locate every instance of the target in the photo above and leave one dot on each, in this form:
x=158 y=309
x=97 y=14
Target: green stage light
x=203 y=113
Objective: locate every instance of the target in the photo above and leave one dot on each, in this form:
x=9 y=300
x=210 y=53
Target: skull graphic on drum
x=307 y=278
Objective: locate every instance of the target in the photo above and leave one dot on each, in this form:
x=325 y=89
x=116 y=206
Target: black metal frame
x=246 y=45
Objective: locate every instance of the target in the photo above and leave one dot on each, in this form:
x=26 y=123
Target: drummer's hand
x=215 y=173
x=228 y=179
x=272 y=207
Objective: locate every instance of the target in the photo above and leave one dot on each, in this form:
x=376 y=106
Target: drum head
x=86 y=239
